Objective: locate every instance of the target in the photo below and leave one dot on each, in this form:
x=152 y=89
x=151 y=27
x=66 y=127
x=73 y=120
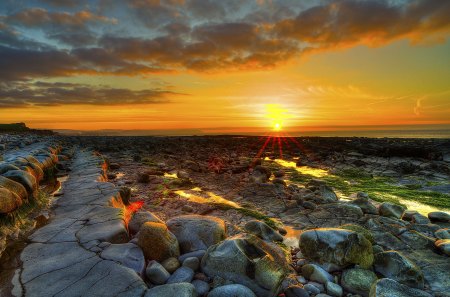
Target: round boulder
x=262 y=230
x=14 y=187
x=195 y=232
x=391 y=210
x=386 y=287
x=358 y=281
x=25 y=179
x=336 y=246
x=157 y=242
x=8 y=201
x=140 y=217
x=439 y=216
x=234 y=290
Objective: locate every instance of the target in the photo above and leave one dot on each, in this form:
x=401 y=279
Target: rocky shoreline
x=225 y=216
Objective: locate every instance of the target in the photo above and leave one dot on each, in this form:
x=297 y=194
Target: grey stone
x=389 y=288
x=201 y=287
x=195 y=232
x=181 y=275
x=171 y=290
x=358 y=281
x=198 y=254
x=311 y=289
x=234 y=290
x=442 y=233
x=296 y=291
x=127 y=254
x=316 y=273
x=171 y=264
x=439 y=216
x=391 y=210
x=156 y=273
x=396 y=266
x=192 y=263
x=262 y=230
x=140 y=217
x=334 y=289
x=444 y=246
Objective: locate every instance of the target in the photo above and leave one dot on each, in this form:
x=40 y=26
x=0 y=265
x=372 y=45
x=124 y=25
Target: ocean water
x=442 y=133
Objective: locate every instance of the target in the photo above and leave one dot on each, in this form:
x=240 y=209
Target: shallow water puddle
x=211 y=198
x=316 y=172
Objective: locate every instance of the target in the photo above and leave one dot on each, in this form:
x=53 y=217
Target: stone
x=140 y=217
x=246 y=259
x=125 y=195
x=337 y=246
x=234 y=290
x=439 y=216
x=195 y=232
x=157 y=242
x=198 y=254
x=391 y=210
x=296 y=291
x=192 y=263
x=396 y=266
x=262 y=230
x=442 y=233
x=420 y=219
x=25 y=179
x=170 y=290
x=316 y=273
x=201 y=287
x=311 y=289
x=5 y=167
x=127 y=254
x=181 y=275
x=390 y=288
x=8 y=201
x=143 y=178
x=358 y=281
x=365 y=205
x=156 y=273
x=359 y=229
x=334 y=289
x=444 y=246
x=171 y=264
x=14 y=187
x=309 y=205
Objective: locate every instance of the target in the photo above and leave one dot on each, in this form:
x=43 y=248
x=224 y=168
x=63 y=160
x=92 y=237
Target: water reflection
x=210 y=197
x=316 y=172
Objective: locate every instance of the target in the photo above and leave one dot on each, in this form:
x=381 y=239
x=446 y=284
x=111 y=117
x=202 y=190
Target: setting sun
x=277 y=127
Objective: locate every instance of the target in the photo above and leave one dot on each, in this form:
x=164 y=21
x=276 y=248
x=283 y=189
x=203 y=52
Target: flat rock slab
x=63 y=258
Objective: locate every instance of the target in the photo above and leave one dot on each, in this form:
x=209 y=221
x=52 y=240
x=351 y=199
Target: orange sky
x=379 y=78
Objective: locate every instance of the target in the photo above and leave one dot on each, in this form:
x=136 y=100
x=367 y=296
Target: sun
x=277 y=127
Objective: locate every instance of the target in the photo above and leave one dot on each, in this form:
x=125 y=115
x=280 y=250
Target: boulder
x=192 y=263
x=391 y=210
x=234 y=290
x=127 y=254
x=170 y=290
x=442 y=233
x=296 y=291
x=390 y=288
x=157 y=242
x=8 y=201
x=396 y=266
x=444 y=246
x=439 y=216
x=156 y=273
x=195 y=232
x=201 y=287
x=25 y=179
x=140 y=217
x=336 y=246
x=171 y=264
x=262 y=230
x=5 y=167
x=14 y=187
x=334 y=289
x=246 y=259
x=358 y=281
x=316 y=273
x=181 y=275
x=359 y=229
x=365 y=205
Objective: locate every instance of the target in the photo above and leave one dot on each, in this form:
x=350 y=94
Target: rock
x=195 y=232
x=114 y=166
x=170 y=290
x=336 y=246
x=358 y=281
x=442 y=233
x=311 y=289
x=14 y=187
x=359 y=229
x=157 y=242
x=127 y=254
x=8 y=201
x=365 y=205
x=279 y=173
x=25 y=179
x=389 y=288
x=192 y=263
x=198 y=254
x=5 y=167
x=334 y=289
x=125 y=195
x=444 y=246
x=309 y=205
x=201 y=287
x=245 y=259
x=296 y=291
x=183 y=174
x=377 y=249
x=171 y=264
x=187 y=208
x=143 y=178
x=391 y=210
x=396 y=266
x=315 y=273
x=234 y=290
x=156 y=273
x=140 y=217
x=420 y=219
x=439 y=216
x=408 y=215
x=327 y=194
x=263 y=231
x=181 y=275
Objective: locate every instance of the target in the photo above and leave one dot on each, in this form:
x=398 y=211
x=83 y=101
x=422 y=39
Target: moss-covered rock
x=359 y=229
x=358 y=281
x=157 y=242
x=337 y=246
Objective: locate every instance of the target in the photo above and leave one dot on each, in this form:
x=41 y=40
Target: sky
x=215 y=65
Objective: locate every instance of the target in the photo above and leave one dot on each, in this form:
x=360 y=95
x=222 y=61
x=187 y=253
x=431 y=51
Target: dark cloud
x=74 y=39
x=26 y=94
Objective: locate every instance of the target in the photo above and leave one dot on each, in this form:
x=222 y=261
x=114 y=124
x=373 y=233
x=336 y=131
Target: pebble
x=334 y=289
x=201 y=287
x=171 y=264
x=192 y=263
x=311 y=289
x=181 y=275
x=156 y=273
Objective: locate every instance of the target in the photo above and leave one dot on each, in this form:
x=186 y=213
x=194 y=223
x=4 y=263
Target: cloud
x=25 y=94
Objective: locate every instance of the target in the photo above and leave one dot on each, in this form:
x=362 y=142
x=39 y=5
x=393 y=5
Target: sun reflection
x=316 y=172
